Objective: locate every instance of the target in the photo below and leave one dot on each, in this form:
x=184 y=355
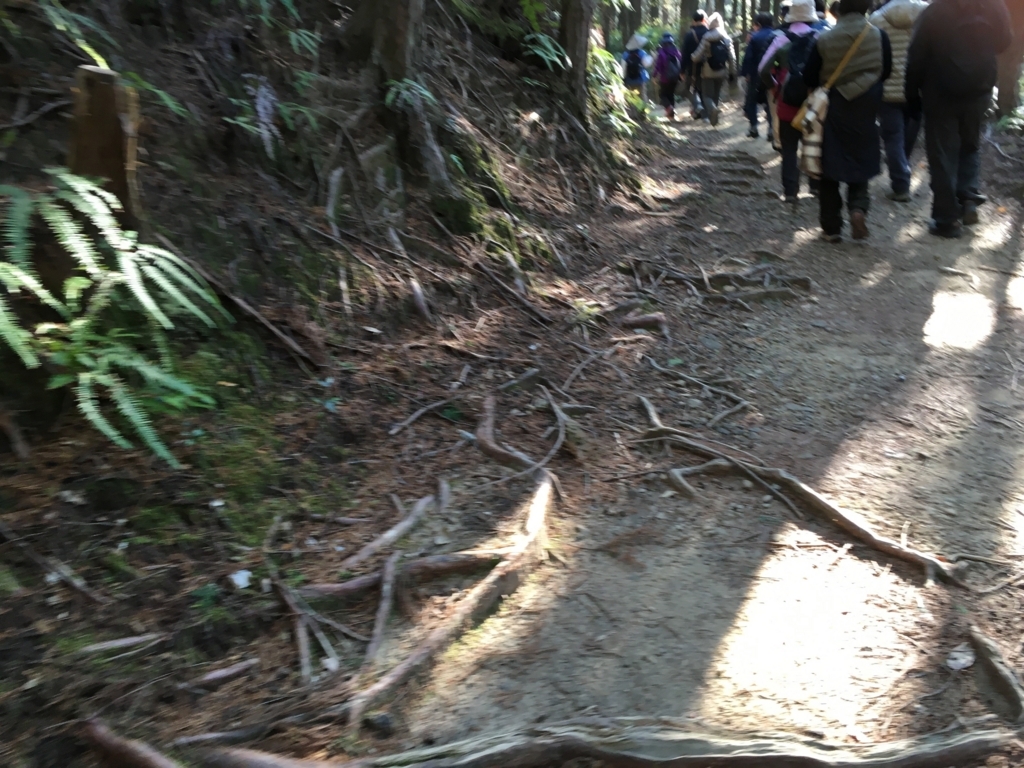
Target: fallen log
x=653 y=742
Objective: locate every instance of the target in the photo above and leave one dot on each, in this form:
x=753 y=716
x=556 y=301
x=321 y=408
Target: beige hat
x=802 y=10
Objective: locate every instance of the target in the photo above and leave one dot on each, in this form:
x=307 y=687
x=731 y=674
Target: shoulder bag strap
x=848 y=57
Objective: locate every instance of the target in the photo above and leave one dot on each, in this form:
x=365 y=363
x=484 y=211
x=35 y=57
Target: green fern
x=17 y=246
x=101 y=362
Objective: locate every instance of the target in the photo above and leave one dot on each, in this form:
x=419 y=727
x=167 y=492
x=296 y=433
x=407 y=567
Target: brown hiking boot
x=859 y=225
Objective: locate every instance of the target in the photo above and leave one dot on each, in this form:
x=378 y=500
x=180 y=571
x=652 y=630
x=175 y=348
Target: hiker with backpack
x=691 y=43
x=851 y=61
x=782 y=70
x=951 y=70
x=718 y=57
x=635 y=65
x=757 y=95
x=667 y=68
x=899 y=132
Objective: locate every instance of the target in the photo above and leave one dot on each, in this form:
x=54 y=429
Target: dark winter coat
x=850 y=147
x=691 y=42
x=757 y=46
x=953 y=50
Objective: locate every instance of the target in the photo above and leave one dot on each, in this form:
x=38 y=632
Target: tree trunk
x=720 y=7
x=396 y=37
x=574 y=37
x=607 y=24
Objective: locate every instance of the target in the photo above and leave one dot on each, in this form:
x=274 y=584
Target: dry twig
x=52 y=566
x=415 y=417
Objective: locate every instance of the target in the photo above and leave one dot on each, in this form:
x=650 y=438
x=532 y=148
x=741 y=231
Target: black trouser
x=790 y=139
x=831 y=217
x=952 y=135
x=668 y=94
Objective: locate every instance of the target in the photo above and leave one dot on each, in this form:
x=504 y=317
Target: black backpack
x=672 y=66
x=634 y=65
x=718 y=56
x=794 y=92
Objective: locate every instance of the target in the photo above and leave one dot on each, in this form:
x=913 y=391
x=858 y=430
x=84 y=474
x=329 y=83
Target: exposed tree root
x=117 y=752
x=507 y=457
x=658 y=743
x=415 y=417
x=387 y=591
x=391 y=535
x=220 y=676
x=770 y=477
x=420 y=569
x=503 y=580
x=1003 y=675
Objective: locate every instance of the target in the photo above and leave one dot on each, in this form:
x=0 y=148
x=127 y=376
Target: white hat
x=802 y=10
x=636 y=42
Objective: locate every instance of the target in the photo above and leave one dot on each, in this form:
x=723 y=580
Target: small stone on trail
x=747 y=484
x=767 y=498
x=694 y=402
x=440 y=541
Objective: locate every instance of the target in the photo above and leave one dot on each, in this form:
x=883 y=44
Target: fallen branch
x=240 y=303
x=52 y=566
x=420 y=569
x=587 y=361
x=121 y=643
x=503 y=580
x=218 y=677
x=387 y=588
x=416 y=416
x=391 y=535
x=43 y=110
x=656 y=743
x=1004 y=677
x=525 y=381
x=123 y=753
x=302 y=640
x=728 y=412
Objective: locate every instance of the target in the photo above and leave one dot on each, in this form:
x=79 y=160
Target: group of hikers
x=840 y=84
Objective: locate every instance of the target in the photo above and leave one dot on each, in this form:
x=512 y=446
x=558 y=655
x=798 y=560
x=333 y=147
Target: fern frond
x=16 y=337
x=175 y=293
x=184 y=276
x=128 y=359
x=14 y=278
x=162 y=347
x=71 y=237
x=84 y=185
x=85 y=396
x=131 y=410
x=17 y=217
x=97 y=212
x=133 y=280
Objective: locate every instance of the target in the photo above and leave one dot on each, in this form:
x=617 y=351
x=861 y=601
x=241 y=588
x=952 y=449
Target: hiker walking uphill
x=757 y=94
x=691 y=43
x=636 y=63
x=718 y=60
x=899 y=131
x=951 y=70
x=667 y=69
x=782 y=71
x=853 y=59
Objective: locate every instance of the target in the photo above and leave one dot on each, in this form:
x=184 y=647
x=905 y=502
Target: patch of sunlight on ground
x=960 y=320
x=810 y=629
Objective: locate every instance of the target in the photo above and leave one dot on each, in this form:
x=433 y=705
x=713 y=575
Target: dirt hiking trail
x=892 y=389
